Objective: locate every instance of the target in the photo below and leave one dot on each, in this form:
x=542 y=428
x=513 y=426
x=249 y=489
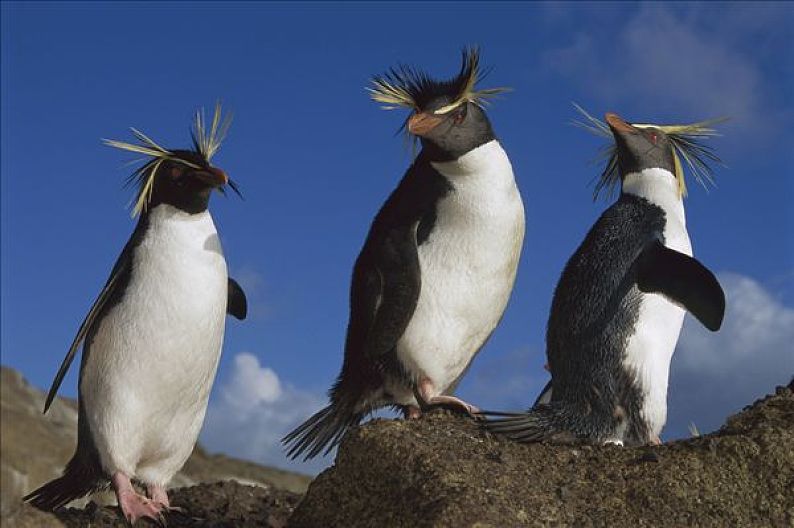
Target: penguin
x=438 y=265
x=618 y=307
x=153 y=337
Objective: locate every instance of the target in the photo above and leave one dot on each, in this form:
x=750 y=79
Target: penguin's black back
x=595 y=308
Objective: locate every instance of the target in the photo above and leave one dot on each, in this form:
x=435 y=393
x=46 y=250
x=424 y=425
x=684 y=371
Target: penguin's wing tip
x=236 y=303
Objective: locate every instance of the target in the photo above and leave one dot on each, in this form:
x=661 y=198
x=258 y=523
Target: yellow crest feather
x=405 y=87
x=206 y=144
x=684 y=138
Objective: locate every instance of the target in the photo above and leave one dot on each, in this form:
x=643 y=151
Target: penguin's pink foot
x=158 y=494
x=655 y=440
x=411 y=412
x=426 y=391
x=133 y=506
x=455 y=403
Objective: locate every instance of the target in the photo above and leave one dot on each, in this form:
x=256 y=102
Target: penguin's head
x=634 y=147
x=640 y=148
x=448 y=116
x=185 y=181
x=181 y=178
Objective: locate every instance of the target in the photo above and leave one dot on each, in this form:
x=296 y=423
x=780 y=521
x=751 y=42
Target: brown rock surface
x=443 y=471
x=226 y=504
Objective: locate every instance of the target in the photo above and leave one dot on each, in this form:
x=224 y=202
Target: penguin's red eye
x=460 y=116
x=176 y=172
x=653 y=138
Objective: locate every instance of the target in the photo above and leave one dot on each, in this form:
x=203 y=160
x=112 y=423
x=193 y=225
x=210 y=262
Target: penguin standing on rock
x=438 y=266
x=620 y=302
x=153 y=337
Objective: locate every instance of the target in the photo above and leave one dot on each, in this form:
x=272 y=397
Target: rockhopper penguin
x=620 y=302
x=438 y=265
x=153 y=337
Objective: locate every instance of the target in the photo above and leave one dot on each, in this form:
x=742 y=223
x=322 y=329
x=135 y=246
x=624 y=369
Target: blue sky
x=315 y=159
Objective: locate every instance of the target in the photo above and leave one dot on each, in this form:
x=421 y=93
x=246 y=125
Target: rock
x=218 y=505
x=443 y=470
x=35 y=447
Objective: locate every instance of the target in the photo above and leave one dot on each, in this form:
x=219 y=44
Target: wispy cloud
x=716 y=374
x=674 y=64
x=253 y=409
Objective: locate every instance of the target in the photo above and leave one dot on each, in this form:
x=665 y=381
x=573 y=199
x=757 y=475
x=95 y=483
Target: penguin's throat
x=487 y=157
x=659 y=187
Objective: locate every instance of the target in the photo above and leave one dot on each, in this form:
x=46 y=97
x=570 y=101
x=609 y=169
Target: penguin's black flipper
x=684 y=280
x=398 y=275
x=236 y=304
x=118 y=275
x=383 y=293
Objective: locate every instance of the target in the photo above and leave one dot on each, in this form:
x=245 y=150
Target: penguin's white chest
x=468 y=267
x=650 y=349
x=152 y=361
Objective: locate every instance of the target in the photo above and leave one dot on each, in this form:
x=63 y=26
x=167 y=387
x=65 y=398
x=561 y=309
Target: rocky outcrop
x=34 y=449
x=444 y=471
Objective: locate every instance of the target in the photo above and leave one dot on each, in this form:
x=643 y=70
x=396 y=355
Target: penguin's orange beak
x=617 y=124
x=422 y=123
x=213 y=176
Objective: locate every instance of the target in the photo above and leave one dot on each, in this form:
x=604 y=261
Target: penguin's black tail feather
x=77 y=481
x=541 y=422
x=321 y=432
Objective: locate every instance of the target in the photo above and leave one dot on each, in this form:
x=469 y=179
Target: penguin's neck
x=659 y=187
x=484 y=162
x=170 y=227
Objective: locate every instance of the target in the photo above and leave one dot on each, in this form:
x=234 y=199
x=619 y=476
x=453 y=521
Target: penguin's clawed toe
x=135 y=507
x=454 y=404
x=412 y=412
x=144 y=509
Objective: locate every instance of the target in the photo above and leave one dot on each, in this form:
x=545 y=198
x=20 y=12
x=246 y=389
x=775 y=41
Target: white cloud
x=714 y=375
x=253 y=410
x=252 y=386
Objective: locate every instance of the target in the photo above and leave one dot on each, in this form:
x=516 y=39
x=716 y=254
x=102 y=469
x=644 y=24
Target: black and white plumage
x=438 y=266
x=619 y=305
x=153 y=337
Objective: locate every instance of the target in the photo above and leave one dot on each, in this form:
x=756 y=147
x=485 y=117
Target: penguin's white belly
x=468 y=267
x=153 y=359
x=650 y=349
